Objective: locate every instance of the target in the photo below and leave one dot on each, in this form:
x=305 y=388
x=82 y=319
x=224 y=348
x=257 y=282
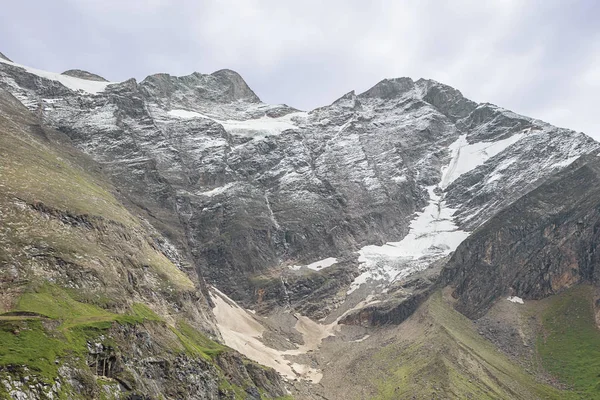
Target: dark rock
x=542 y=244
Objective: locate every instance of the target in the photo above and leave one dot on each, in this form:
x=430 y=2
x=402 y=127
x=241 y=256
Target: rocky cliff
x=542 y=244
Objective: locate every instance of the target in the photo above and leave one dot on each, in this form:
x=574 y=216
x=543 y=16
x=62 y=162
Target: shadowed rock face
x=543 y=243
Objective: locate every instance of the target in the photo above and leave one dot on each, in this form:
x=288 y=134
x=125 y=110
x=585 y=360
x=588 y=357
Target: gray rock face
x=2 y=56
x=541 y=244
x=78 y=73
x=224 y=86
x=247 y=188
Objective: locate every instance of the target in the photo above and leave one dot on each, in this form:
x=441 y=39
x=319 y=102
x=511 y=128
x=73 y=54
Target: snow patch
x=566 y=162
x=317 y=265
x=362 y=339
x=466 y=157
x=432 y=235
x=515 y=299
x=216 y=191
x=185 y=114
x=71 y=82
x=264 y=126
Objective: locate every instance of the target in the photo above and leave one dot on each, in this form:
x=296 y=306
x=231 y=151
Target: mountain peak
x=81 y=74
x=349 y=100
x=446 y=99
x=238 y=88
x=389 y=88
x=5 y=58
x=223 y=86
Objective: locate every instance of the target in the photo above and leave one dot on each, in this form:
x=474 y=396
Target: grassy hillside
x=435 y=354
x=439 y=353
x=569 y=342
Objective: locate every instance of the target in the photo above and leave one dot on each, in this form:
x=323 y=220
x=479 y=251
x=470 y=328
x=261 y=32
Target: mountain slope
x=94 y=301
x=437 y=353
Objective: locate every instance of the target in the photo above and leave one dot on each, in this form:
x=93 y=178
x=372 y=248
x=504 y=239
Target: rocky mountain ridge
x=324 y=222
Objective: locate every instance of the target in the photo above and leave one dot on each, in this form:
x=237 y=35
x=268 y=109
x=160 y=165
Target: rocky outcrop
x=542 y=244
x=78 y=73
x=393 y=311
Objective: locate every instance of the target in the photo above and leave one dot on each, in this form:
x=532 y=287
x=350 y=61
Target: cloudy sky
x=538 y=58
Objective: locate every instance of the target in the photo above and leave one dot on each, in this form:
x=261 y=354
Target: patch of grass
x=230 y=389
x=63 y=331
x=28 y=343
x=167 y=270
x=195 y=343
x=569 y=345
x=55 y=303
x=144 y=313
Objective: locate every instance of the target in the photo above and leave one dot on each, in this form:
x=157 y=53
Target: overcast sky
x=538 y=58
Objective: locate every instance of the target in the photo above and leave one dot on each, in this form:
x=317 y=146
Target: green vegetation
x=569 y=345
x=52 y=302
x=143 y=313
x=56 y=326
x=195 y=343
x=445 y=357
x=27 y=343
x=238 y=392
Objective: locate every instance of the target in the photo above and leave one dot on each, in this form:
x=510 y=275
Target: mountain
x=337 y=227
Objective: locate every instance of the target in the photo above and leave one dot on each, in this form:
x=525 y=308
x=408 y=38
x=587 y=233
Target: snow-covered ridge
x=263 y=126
x=71 y=82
